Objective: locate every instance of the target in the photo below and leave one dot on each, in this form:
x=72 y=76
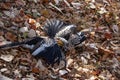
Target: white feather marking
x=66 y=30
x=38 y=50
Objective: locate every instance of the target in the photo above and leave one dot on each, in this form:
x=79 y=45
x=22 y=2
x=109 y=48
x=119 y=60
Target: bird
x=49 y=47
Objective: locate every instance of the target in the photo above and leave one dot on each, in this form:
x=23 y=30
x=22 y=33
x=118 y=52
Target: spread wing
x=49 y=50
x=57 y=28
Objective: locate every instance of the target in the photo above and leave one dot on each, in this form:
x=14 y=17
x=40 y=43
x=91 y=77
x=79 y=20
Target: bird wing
x=57 y=28
x=49 y=50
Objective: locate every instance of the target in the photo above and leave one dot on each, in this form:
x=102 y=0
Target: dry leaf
x=84 y=60
x=31 y=21
x=7 y=58
x=106 y=52
x=1 y=33
x=69 y=62
x=12 y=13
x=35 y=70
x=2 y=77
x=76 y=5
x=33 y=26
x=20 y=2
x=31 y=33
x=62 y=72
x=45 y=12
x=92 y=6
x=5 y=6
x=102 y=10
x=23 y=29
x=115 y=29
x=1 y=24
x=41 y=66
x=11 y=36
x=96 y=72
x=3 y=69
x=107 y=35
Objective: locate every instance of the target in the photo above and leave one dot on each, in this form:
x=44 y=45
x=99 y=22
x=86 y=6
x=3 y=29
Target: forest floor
x=98 y=58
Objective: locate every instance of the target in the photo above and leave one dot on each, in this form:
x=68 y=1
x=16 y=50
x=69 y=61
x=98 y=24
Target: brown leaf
x=20 y=2
x=31 y=21
x=35 y=70
x=106 y=52
x=96 y=72
x=11 y=36
x=45 y=13
x=108 y=35
x=33 y=27
x=1 y=33
x=5 y=5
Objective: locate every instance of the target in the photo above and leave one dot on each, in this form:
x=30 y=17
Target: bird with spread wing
x=49 y=47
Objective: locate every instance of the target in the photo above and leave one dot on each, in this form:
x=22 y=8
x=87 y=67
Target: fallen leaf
x=3 y=69
x=35 y=70
x=20 y=2
x=102 y=10
x=62 y=72
x=5 y=6
x=2 y=77
x=12 y=13
x=76 y=5
x=1 y=24
x=107 y=35
x=11 y=36
x=41 y=66
x=33 y=26
x=31 y=33
x=96 y=72
x=7 y=58
x=84 y=60
x=23 y=29
x=1 y=33
x=45 y=13
x=31 y=21
x=92 y=6
x=106 y=52
x=69 y=62
x=115 y=29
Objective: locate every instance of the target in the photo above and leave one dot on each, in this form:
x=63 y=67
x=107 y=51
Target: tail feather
x=14 y=44
x=32 y=41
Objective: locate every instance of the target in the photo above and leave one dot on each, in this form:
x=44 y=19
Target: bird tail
x=32 y=41
x=14 y=44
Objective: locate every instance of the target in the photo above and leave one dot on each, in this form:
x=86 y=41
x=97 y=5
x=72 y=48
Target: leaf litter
x=98 y=58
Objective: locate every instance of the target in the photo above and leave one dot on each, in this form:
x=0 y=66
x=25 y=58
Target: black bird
x=48 y=47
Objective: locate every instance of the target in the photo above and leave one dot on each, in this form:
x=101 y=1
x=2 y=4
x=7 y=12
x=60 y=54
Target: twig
x=56 y=8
